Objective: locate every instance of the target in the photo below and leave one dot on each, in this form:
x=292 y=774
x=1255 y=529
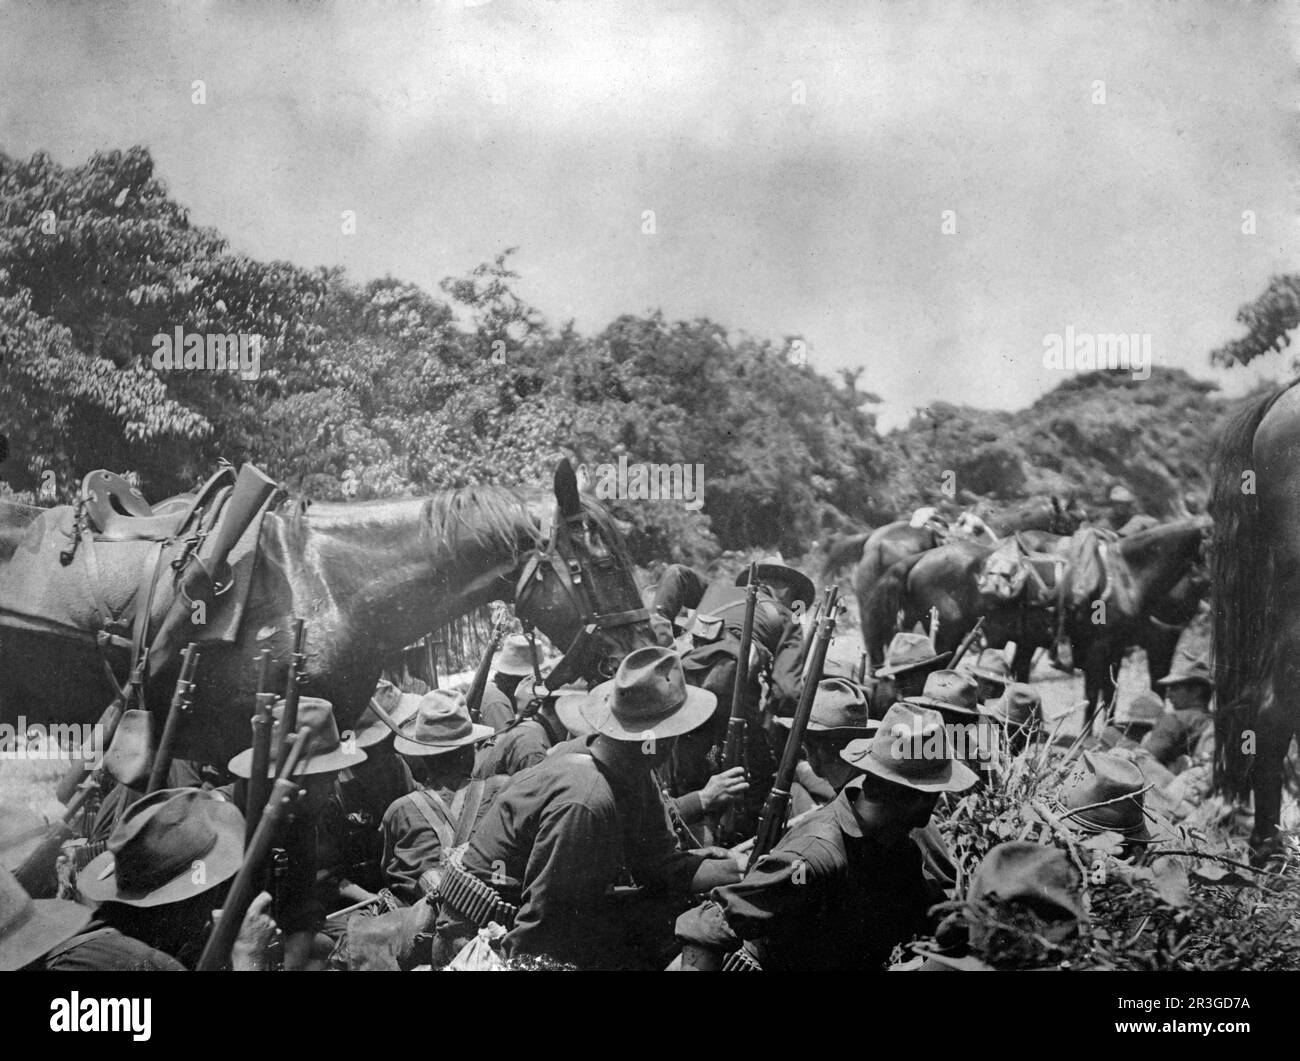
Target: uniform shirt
x=514 y=749
x=558 y=837
x=497 y=710
x=1178 y=733
x=100 y=948
x=411 y=844
x=828 y=897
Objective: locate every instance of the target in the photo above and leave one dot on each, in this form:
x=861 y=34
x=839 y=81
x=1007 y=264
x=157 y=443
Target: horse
x=897 y=541
x=1255 y=602
x=369 y=578
x=1149 y=565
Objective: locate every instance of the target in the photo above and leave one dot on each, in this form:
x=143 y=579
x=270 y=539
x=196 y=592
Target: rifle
x=76 y=788
x=771 y=824
x=966 y=643
x=805 y=650
x=259 y=783
x=474 y=698
x=247 y=883
x=289 y=722
x=182 y=699
x=862 y=668
x=733 y=752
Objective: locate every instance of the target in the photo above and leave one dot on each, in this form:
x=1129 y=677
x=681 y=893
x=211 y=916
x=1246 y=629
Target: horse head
x=577 y=587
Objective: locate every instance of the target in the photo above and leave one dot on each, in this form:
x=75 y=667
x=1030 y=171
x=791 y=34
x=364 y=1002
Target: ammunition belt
x=83 y=854
x=469 y=898
x=741 y=961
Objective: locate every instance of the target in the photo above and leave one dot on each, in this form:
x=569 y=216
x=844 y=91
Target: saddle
x=115 y=511
x=1015 y=572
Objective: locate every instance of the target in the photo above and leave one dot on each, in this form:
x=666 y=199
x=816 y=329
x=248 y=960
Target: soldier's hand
x=723 y=788
x=251 y=950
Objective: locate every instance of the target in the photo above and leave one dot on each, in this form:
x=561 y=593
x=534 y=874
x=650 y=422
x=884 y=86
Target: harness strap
x=469 y=811
x=435 y=812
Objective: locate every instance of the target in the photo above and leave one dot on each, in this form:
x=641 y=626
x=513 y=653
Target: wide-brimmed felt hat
x=1104 y=793
x=1036 y=874
x=911 y=748
x=31 y=927
x=369 y=728
x=1121 y=495
x=776 y=574
x=325 y=753
x=992 y=666
x=1144 y=709
x=950 y=692
x=839 y=706
x=515 y=658
x=172 y=845
x=648 y=697
x=1018 y=706
x=441 y=724
x=1186 y=670
x=908 y=651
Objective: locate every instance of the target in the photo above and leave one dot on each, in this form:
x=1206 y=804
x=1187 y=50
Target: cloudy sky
x=799 y=159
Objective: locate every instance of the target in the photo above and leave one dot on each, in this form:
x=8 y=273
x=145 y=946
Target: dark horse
x=1153 y=563
x=1255 y=599
x=369 y=579
x=887 y=545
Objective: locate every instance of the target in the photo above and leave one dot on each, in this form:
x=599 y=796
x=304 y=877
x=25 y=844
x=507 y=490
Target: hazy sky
x=798 y=158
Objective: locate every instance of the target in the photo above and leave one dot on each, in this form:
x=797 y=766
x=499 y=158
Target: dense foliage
x=381 y=388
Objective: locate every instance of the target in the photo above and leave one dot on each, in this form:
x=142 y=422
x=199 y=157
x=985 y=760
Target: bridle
x=548 y=560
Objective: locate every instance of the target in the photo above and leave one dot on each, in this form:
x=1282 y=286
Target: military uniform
x=557 y=839
x=828 y=897
x=101 y=948
x=1179 y=733
x=497 y=709
x=518 y=748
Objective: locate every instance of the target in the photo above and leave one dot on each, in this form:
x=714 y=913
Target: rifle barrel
x=246 y=884
x=289 y=720
x=771 y=823
x=259 y=781
x=182 y=697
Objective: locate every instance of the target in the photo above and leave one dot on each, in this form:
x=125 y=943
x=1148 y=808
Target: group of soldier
x=599 y=828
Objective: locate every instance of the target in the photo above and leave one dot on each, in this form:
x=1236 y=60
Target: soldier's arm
x=1165 y=741
x=680 y=587
x=410 y=848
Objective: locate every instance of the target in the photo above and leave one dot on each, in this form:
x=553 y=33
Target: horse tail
x=842 y=552
x=880 y=610
x=1242 y=597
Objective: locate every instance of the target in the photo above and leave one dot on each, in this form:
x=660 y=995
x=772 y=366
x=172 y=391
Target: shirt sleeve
x=653 y=855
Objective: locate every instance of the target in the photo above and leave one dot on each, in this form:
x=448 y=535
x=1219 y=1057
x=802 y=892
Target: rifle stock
x=771 y=823
x=182 y=698
x=733 y=751
x=216 y=952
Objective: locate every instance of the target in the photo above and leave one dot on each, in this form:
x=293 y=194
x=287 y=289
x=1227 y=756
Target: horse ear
x=566 y=489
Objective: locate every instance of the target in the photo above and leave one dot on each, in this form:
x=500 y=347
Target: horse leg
x=1274 y=728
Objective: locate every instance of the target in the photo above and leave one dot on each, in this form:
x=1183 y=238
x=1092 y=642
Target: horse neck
x=386 y=570
x=1160 y=558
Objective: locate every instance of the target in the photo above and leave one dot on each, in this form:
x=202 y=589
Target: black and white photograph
x=618 y=486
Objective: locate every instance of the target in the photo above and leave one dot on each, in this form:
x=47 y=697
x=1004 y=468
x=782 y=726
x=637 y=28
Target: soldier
x=844 y=886
x=993 y=673
x=1185 y=734
x=515 y=662
x=300 y=905
x=351 y=846
x=536 y=729
x=839 y=715
x=420 y=827
x=1018 y=711
x=1132 y=722
x=1023 y=908
x=549 y=853
x=909 y=660
x=156 y=886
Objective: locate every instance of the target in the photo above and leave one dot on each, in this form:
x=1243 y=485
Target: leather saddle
x=115 y=511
